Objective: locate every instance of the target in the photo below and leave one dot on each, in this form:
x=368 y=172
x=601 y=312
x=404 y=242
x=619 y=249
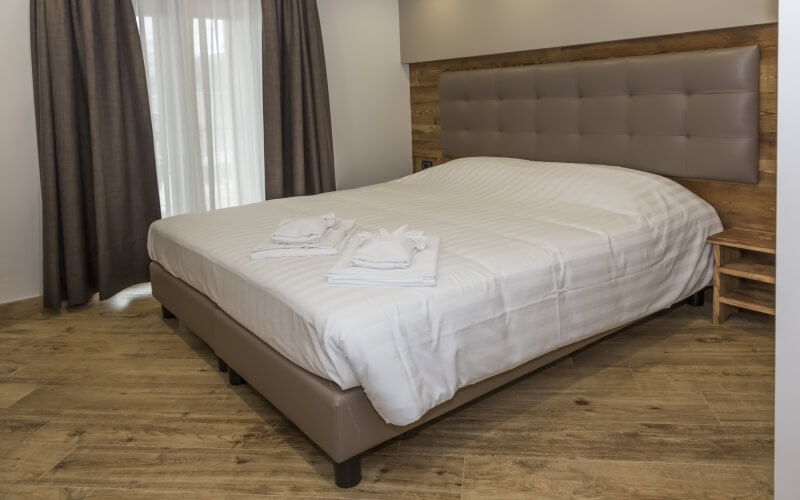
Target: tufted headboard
x=687 y=114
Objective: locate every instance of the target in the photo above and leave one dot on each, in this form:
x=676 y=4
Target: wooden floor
x=110 y=401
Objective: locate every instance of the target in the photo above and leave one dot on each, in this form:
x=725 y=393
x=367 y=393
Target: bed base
x=348 y=473
x=342 y=423
x=697 y=299
x=234 y=378
x=166 y=313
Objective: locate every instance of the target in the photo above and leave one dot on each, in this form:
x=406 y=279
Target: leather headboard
x=688 y=114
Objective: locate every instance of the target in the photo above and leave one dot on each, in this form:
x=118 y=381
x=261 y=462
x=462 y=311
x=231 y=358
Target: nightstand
x=744 y=272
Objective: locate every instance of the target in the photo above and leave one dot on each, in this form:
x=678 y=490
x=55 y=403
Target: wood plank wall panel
x=741 y=205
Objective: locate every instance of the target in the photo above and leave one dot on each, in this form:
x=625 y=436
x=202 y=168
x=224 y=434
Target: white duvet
x=533 y=256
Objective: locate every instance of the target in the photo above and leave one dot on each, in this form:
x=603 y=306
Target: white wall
x=443 y=29
x=787 y=329
x=20 y=198
x=369 y=90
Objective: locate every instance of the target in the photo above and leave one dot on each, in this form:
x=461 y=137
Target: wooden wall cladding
x=742 y=205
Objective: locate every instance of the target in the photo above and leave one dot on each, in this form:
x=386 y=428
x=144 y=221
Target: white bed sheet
x=534 y=256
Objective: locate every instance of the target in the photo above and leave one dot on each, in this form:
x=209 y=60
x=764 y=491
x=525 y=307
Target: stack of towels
x=305 y=236
x=397 y=258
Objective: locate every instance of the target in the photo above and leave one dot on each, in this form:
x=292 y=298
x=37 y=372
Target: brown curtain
x=96 y=159
x=298 y=148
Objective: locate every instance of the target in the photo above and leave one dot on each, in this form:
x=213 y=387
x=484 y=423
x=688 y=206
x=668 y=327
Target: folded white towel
x=421 y=272
x=303 y=229
x=331 y=243
x=386 y=250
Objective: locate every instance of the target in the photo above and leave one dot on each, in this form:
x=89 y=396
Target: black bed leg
x=234 y=378
x=166 y=313
x=222 y=365
x=348 y=473
x=697 y=299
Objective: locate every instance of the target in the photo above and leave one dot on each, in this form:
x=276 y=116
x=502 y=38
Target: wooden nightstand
x=744 y=272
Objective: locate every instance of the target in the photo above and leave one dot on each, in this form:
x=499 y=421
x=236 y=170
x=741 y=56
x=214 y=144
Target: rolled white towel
x=386 y=250
x=303 y=229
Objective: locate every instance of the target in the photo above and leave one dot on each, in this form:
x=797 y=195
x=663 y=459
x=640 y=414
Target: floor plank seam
x=463 y=476
x=710 y=463
x=89 y=494
x=613 y=460
x=63 y=457
x=711 y=408
x=681 y=423
x=179 y=448
x=635 y=380
x=726 y=393
x=226 y=492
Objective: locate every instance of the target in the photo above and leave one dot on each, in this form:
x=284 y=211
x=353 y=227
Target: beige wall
x=444 y=29
x=369 y=89
x=20 y=199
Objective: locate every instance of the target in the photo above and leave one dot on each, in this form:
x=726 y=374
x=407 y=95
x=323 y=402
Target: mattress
x=533 y=256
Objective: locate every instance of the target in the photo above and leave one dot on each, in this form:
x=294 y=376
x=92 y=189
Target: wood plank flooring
x=109 y=401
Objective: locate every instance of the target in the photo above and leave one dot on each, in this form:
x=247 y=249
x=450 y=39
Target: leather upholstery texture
x=342 y=423
x=687 y=114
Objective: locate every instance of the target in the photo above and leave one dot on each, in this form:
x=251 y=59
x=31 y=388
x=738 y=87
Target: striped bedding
x=534 y=256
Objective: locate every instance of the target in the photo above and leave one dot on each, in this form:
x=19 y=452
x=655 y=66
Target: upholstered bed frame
x=690 y=114
x=342 y=423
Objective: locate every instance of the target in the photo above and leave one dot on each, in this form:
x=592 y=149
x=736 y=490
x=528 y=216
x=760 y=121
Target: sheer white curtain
x=203 y=61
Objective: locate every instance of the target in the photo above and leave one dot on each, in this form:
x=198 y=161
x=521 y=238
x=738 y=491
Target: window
x=203 y=63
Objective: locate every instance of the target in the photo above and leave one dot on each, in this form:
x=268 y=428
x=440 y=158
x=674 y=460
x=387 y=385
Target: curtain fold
x=298 y=144
x=95 y=142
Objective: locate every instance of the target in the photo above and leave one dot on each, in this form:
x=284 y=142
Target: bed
x=545 y=248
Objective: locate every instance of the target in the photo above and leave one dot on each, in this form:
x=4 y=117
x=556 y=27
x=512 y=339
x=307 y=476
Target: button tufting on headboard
x=689 y=114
